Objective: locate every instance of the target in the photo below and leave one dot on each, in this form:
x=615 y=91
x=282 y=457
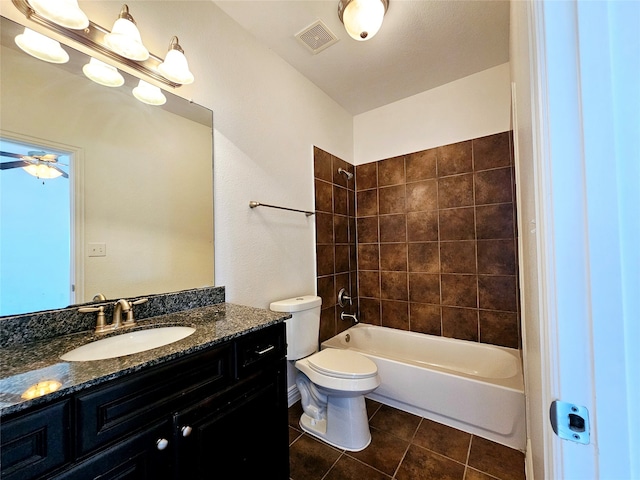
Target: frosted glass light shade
x=176 y=68
x=62 y=12
x=149 y=94
x=42 y=171
x=363 y=18
x=41 y=47
x=125 y=38
x=102 y=73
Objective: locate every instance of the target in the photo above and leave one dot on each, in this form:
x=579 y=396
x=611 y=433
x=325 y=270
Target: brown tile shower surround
x=335 y=239
x=436 y=241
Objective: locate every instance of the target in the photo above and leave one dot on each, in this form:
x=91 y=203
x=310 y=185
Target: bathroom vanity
x=215 y=401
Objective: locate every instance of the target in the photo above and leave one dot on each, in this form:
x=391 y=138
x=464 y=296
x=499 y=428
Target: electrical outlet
x=97 y=249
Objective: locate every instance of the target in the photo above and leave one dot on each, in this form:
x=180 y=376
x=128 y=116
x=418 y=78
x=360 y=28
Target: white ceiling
x=422 y=44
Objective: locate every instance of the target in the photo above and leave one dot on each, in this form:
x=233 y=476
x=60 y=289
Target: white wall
x=471 y=107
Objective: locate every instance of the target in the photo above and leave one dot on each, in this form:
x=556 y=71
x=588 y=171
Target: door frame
x=76 y=191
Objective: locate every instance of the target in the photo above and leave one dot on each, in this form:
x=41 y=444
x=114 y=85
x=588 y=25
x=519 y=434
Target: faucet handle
x=130 y=321
x=101 y=323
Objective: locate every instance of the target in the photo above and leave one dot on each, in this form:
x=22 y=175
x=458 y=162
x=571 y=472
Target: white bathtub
x=474 y=387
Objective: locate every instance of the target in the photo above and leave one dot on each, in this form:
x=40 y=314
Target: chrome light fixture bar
x=92 y=37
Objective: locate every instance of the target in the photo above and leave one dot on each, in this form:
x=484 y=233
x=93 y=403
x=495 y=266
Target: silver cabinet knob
x=162 y=443
x=186 y=430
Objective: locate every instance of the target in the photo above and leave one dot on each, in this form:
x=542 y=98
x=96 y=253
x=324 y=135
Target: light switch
x=97 y=249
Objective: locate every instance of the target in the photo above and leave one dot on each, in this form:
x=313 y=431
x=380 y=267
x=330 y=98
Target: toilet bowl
x=332 y=382
x=332 y=385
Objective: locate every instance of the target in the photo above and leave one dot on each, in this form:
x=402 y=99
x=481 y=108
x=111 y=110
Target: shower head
x=349 y=175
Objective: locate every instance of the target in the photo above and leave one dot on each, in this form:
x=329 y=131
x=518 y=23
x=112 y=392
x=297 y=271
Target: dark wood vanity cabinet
x=224 y=409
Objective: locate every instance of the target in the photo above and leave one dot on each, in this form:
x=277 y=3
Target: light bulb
x=175 y=66
x=149 y=94
x=41 y=47
x=125 y=39
x=62 y=12
x=102 y=73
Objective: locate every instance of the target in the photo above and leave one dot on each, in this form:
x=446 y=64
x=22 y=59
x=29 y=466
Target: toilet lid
x=342 y=364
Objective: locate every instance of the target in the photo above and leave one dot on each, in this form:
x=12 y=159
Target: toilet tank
x=303 y=328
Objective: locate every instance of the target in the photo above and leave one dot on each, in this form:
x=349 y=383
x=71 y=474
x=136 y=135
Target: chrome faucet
x=348 y=316
x=121 y=306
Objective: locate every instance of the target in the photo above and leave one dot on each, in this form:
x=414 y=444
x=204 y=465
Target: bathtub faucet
x=348 y=316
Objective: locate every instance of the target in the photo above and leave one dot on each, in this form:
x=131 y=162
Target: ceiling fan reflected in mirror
x=37 y=163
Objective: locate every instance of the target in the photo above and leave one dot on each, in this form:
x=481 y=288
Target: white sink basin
x=127 y=343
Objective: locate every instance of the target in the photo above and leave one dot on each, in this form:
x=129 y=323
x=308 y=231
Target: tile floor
x=403 y=447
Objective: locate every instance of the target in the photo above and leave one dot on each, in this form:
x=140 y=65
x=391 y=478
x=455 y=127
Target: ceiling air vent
x=316 y=37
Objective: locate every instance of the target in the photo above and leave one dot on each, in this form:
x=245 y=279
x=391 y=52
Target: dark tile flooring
x=403 y=447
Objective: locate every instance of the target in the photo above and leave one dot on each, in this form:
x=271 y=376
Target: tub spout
x=348 y=316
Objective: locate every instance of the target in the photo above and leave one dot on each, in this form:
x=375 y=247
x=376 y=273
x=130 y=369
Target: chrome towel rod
x=254 y=204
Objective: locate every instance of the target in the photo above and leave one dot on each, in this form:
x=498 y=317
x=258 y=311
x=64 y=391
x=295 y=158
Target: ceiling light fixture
x=362 y=18
x=125 y=39
x=66 y=13
x=42 y=171
x=41 y=47
x=149 y=94
x=175 y=66
x=102 y=73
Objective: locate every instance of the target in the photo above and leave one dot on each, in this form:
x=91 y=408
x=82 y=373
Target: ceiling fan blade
x=12 y=155
x=16 y=164
x=64 y=174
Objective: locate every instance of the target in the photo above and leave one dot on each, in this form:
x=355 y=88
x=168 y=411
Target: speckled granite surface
x=26 y=364
x=38 y=326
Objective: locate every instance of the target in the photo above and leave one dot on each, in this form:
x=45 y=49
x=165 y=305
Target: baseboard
x=293 y=395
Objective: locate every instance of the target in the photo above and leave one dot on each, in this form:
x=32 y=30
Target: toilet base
x=346 y=425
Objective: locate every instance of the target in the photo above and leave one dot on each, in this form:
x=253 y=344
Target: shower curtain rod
x=254 y=204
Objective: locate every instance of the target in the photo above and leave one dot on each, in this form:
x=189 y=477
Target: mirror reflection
x=133 y=213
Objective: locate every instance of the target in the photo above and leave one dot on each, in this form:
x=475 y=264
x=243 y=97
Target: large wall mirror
x=139 y=187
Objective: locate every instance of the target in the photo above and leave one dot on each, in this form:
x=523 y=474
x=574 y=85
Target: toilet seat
x=342 y=364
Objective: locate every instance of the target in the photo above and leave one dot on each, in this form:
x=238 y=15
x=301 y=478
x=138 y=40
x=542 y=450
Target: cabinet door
x=248 y=435
x=137 y=458
x=34 y=443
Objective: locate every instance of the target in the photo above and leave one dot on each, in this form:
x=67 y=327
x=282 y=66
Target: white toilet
x=332 y=382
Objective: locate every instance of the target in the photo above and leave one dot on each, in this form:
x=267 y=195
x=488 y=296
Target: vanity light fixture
x=149 y=94
x=123 y=45
x=65 y=13
x=362 y=18
x=41 y=47
x=103 y=73
x=175 y=66
x=125 y=39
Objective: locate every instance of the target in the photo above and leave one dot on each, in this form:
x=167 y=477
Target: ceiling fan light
x=149 y=94
x=42 y=171
x=175 y=66
x=125 y=39
x=66 y=13
x=102 y=73
x=41 y=47
x=362 y=19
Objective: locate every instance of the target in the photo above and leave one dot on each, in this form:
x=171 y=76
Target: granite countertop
x=25 y=365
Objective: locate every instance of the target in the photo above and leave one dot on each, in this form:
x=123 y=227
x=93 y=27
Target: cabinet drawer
x=261 y=348
x=123 y=406
x=35 y=443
